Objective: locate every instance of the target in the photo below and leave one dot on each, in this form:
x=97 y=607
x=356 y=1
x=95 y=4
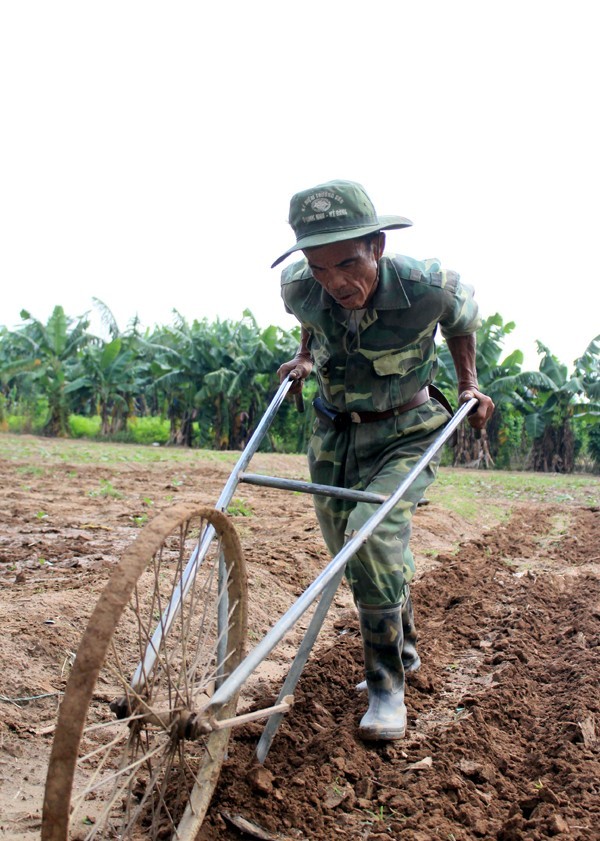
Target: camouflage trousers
x=375 y=457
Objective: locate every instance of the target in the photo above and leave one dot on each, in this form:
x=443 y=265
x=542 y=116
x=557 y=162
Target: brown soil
x=504 y=716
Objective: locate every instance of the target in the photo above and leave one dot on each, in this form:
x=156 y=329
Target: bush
x=27 y=417
x=19 y=424
x=148 y=430
x=83 y=427
x=139 y=430
x=25 y=425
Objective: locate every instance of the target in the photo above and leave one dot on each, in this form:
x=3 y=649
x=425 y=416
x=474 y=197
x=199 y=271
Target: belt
x=342 y=420
x=420 y=397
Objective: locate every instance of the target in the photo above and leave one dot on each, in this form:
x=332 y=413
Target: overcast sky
x=149 y=151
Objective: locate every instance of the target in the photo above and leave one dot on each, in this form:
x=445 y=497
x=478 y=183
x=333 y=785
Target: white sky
x=148 y=151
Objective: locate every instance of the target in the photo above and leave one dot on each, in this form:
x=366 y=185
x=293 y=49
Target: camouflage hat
x=332 y=212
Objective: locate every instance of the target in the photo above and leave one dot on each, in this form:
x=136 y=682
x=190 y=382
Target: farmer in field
x=368 y=324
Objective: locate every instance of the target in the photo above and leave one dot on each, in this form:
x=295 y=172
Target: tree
x=219 y=375
x=500 y=378
x=588 y=421
x=563 y=397
x=109 y=373
x=45 y=356
x=241 y=387
x=109 y=378
x=179 y=358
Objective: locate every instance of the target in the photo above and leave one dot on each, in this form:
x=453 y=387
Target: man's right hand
x=297 y=369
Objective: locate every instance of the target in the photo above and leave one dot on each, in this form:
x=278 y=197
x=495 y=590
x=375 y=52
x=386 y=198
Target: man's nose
x=336 y=280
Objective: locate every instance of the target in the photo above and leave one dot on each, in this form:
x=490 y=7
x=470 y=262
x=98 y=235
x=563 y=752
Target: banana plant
x=564 y=398
x=499 y=377
x=44 y=357
x=108 y=379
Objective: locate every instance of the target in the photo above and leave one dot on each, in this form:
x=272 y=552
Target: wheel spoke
x=137 y=780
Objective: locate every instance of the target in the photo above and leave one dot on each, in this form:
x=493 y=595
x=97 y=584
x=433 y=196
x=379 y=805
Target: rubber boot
x=381 y=629
x=410 y=656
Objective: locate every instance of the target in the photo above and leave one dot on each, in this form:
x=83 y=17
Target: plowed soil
x=503 y=739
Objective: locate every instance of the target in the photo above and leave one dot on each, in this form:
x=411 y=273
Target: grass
x=239 y=508
x=51 y=451
x=463 y=491
x=459 y=490
x=106 y=490
x=28 y=470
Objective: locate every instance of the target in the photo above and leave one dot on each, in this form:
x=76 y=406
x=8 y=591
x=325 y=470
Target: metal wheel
x=133 y=763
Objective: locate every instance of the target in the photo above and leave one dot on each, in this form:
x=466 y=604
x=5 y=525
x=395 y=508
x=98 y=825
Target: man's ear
x=380 y=245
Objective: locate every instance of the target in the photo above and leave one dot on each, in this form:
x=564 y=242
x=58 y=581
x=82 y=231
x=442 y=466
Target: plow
x=151 y=700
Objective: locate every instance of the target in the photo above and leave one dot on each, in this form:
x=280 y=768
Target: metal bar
x=284 y=705
x=253 y=445
x=289 y=619
x=166 y=621
x=293 y=676
x=310 y=488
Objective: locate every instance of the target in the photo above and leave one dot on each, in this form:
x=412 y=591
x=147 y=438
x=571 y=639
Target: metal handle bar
x=187 y=577
x=335 y=566
x=310 y=488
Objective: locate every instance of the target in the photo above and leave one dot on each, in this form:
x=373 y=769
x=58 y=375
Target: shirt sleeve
x=291 y=286
x=462 y=316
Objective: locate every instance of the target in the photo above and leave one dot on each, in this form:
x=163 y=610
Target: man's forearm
x=303 y=349
x=300 y=366
x=463 y=350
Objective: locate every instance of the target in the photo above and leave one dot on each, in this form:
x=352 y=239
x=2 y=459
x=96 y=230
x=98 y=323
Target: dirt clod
x=261 y=779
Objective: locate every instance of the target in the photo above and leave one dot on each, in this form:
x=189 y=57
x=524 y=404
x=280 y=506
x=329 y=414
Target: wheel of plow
x=131 y=756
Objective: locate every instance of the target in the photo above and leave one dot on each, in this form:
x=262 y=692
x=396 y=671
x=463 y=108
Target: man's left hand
x=484 y=410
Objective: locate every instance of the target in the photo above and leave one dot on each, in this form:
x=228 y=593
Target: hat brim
x=384 y=223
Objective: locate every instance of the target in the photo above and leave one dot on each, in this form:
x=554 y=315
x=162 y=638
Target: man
x=368 y=324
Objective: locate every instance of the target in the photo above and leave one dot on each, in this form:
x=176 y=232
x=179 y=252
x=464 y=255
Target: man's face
x=347 y=270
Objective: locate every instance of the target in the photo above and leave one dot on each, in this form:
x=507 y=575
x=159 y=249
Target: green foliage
x=207 y=384
x=510 y=449
x=82 y=427
x=594 y=445
x=42 y=356
x=291 y=429
x=239 y=508
x=30 y=418
x=106 y=489
x=588 y=419
x=501 y=378
x=533 y=421
x=211 y=382
x=557 y=401
x=149 y=430
x=20 y=424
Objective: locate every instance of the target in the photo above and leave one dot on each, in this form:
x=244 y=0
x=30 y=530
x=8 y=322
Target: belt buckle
x=355 y=417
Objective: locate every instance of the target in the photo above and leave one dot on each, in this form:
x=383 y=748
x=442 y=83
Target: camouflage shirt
x=382 y=361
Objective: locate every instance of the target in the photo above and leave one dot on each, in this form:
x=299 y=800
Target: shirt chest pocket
x=395 y=378
x=399 y=362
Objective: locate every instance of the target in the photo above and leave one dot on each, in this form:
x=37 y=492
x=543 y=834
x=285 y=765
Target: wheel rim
x=135 y=774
